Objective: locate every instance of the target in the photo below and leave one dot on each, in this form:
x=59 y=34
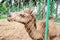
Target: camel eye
x=9 y=15
x=22 y=15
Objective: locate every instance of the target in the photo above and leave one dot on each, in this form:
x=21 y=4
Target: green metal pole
x=47 y=20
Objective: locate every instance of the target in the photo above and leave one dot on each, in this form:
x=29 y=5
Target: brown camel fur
x=29 y=21
x=34 y=29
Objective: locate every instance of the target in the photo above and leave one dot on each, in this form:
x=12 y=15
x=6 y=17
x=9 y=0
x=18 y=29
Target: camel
x=34 y=29
x=58 y=32
x=29 y=21
x=52 y=28
x=52 y=34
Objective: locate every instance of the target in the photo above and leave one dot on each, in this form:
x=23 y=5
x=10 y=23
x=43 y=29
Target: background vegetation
x=7 y=6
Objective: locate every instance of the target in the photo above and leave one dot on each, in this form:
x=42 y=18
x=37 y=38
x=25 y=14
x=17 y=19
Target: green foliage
x=58 y=20
x=3 y=9
x=3 y=16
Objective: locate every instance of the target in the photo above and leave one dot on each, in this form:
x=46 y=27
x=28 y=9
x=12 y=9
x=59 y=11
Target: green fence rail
x=47 y=18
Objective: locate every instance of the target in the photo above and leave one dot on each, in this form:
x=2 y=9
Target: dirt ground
x=16 y=31
x=12 y=31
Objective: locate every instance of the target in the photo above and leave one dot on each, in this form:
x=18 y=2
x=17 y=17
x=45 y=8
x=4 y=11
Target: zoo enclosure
x=39 y=6
x=8 y=6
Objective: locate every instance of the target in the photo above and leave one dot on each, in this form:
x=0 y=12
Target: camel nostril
x=9 y=15
x=22 y=15
x=8 y=20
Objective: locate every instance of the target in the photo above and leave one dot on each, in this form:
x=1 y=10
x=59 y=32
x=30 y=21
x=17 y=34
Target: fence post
x=47 y=20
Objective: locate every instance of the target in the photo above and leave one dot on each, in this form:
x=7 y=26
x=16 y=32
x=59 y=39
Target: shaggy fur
x=34 y=29
x=25 y=17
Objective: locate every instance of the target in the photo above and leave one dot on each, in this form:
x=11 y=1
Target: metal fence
x=39 y=7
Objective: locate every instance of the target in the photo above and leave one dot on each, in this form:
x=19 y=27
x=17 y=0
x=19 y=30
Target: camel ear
x=31 y=11
x=28 y=10
x=51 y=17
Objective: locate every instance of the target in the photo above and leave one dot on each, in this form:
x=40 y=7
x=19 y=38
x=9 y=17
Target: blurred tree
x=43 y=12
x=2 y=2
x=56 y=9
x=34 y=2
x=51 y=7
x=19 y=4
x=25 y=2
x=8 y=2
x=39 y=10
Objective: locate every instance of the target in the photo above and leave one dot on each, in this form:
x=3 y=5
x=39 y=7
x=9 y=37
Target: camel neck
x=30 y=26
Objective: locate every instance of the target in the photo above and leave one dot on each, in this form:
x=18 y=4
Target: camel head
x=23 y=16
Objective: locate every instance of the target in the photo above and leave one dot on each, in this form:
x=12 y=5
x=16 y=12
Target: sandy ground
x=12 y=31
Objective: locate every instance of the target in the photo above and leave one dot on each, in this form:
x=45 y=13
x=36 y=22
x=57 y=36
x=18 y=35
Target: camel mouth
x=23 y=22
x=40 y=39
x=10 y=20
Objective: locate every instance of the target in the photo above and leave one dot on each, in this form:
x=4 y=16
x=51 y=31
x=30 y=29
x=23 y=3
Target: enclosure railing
x=47 y=19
